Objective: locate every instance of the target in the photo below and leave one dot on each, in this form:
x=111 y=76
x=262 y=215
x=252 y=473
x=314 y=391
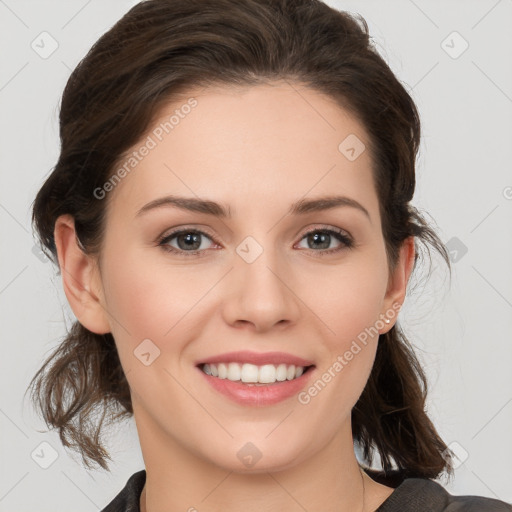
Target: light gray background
x=464 y=182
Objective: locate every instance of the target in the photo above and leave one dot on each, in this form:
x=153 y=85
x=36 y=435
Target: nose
x=259 y=295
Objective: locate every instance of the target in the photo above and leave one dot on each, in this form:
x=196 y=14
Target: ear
x=80 y=277
x=397 y=283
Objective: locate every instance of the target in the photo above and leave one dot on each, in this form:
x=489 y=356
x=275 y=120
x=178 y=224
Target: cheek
x=148 y=300
x=348 y=297
x=153 y=302
x=348 y=301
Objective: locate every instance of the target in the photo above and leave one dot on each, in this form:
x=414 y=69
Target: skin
x=257 y=150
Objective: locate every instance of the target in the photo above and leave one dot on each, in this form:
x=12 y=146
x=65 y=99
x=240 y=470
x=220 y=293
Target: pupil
x=191 y=238
x=320 y=238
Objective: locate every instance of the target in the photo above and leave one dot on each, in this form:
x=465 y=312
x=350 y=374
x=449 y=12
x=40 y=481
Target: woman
x=231 y=217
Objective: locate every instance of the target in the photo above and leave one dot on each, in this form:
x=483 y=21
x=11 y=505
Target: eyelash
x=346 y=241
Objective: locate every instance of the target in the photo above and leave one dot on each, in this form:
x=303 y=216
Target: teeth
x=223 y=370
x=250 y=373
x=234 y=371
x=281 y=372
x=266 y=374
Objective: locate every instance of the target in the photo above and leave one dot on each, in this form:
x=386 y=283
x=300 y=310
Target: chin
x=255 y=457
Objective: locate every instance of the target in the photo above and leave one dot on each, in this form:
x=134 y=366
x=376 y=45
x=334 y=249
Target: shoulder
x=128 y=500
x=424 y=494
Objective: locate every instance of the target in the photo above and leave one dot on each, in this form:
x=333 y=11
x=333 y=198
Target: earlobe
x=80 y=277
x=397 y=285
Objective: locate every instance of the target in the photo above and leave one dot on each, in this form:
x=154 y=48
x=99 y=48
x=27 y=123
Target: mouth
x=254 y=375
x=255 y=379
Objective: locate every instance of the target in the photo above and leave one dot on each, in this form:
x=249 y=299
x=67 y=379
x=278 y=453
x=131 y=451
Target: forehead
x=246 y=145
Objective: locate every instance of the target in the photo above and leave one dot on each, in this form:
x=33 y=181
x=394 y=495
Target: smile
x=253 y=374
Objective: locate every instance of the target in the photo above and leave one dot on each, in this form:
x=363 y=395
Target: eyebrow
x=209 y=207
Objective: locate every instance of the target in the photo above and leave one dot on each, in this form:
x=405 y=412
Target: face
x=280 y=280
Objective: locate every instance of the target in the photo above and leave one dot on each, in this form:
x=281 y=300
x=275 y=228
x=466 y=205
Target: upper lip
x=256 y=358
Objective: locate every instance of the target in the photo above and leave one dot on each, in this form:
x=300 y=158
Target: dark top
x=412 y=494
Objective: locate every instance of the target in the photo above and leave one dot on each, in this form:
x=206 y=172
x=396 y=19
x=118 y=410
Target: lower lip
x=258 y=395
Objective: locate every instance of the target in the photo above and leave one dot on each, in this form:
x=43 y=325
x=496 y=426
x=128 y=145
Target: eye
x=194 y=242
x=322 y=238
x=188 y=241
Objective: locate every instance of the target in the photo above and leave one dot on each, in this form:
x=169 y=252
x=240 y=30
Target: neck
x=330 y=480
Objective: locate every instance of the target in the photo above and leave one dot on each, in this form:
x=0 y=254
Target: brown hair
x=159 y=49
